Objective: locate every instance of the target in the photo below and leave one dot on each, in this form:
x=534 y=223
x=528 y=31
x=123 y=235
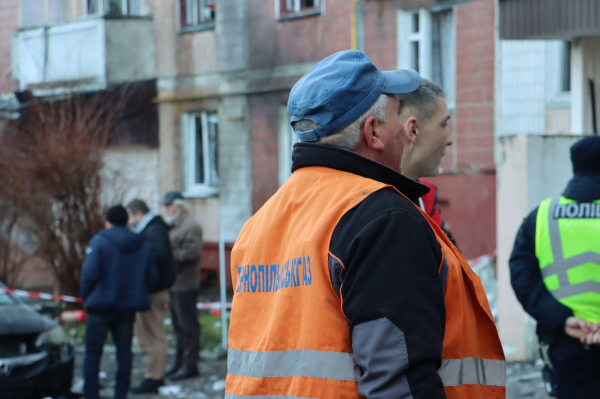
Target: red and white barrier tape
x=42 y=295
x=72 y=299
x=212 y=305
x=199 y=305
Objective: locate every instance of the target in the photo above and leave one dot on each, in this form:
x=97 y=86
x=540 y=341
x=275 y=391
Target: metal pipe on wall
x=354 y=24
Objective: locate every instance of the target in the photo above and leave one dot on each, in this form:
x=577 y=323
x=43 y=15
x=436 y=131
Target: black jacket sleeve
x=528 y=284
x=159 y=241
x=157 y=235
x=392 y=296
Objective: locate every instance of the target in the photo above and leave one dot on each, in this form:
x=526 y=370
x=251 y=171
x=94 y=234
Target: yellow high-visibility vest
x=567 y=245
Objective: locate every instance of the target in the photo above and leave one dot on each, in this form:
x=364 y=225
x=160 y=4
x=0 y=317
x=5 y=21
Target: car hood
x=22 y=319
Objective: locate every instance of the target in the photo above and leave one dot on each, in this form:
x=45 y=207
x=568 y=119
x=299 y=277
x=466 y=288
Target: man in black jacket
x=149 y=327
x=573 y=354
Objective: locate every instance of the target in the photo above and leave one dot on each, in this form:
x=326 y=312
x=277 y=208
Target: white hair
x=349 y=137
x=182 y=204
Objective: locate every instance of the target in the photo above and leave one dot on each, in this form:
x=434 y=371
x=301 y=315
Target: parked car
x=36 y=360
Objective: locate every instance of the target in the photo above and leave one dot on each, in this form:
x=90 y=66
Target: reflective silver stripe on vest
x=232 y=396
x=293 y=363
x=473 y=371
x=574 y=261
x=575 y=289
x=561 y=265
x=556 y=244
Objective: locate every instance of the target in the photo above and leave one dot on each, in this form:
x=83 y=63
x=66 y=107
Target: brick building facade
x=224 y=70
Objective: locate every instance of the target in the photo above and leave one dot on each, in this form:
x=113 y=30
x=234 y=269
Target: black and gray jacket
x=156 y=232
x=392 y=292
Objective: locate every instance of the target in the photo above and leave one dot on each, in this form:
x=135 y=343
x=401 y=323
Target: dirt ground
x=523 y=379
x=210 y=384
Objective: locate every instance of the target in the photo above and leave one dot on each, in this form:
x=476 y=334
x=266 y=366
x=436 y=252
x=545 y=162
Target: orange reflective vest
x=288 y=336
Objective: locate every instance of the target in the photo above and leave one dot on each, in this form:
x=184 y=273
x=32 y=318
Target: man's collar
x=144 y=222
x=306 y=154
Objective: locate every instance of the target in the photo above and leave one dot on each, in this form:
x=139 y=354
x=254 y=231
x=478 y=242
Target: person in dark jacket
x=116 y=279
x=149 y=325
x=567 y=328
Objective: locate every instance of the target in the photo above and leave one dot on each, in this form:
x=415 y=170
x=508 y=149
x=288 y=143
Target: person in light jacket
x=186 y=241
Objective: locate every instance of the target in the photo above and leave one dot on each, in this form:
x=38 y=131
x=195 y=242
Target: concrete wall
x=522 y=83
x=129 y=50
x=530 y=169
x=529 y=96
x=132 y=172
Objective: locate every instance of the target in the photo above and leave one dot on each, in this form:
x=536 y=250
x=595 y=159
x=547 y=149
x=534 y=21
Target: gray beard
x=171 y=219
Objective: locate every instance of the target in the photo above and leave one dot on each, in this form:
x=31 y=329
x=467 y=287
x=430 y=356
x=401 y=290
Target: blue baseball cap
x=341 y=88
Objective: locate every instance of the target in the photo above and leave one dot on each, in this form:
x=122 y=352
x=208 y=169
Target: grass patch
x=210 y=332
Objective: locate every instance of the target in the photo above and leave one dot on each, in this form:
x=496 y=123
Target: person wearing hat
x=555 y=273
x=186 y=243
x=343 y=286
x=116 y=279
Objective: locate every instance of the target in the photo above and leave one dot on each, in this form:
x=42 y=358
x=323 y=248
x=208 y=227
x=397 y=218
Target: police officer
x=555 y=272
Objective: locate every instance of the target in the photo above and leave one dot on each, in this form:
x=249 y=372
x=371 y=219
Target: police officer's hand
x=578 y=328
x=593 y=338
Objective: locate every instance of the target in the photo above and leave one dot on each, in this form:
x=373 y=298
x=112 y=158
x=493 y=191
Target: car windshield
x=6 y=299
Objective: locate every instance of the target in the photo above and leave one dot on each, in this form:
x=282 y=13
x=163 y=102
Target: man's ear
x=412 y=129
x=372 y=134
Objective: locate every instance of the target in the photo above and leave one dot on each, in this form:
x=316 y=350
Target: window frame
x=556 y=96
x=282 y=13
x=104 y=8
x=405 y=38
x=286 y=140
x=197 y=24
x=188 y=122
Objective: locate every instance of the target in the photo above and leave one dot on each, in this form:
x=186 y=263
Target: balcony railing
x=88 y=53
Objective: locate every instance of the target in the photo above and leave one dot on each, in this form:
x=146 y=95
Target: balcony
x=89 y=53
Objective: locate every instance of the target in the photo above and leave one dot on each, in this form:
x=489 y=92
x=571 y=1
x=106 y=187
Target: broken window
x=202 y=163
x=197 y=12
x=290 y=7
x=113 y=7
x=426 y=43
